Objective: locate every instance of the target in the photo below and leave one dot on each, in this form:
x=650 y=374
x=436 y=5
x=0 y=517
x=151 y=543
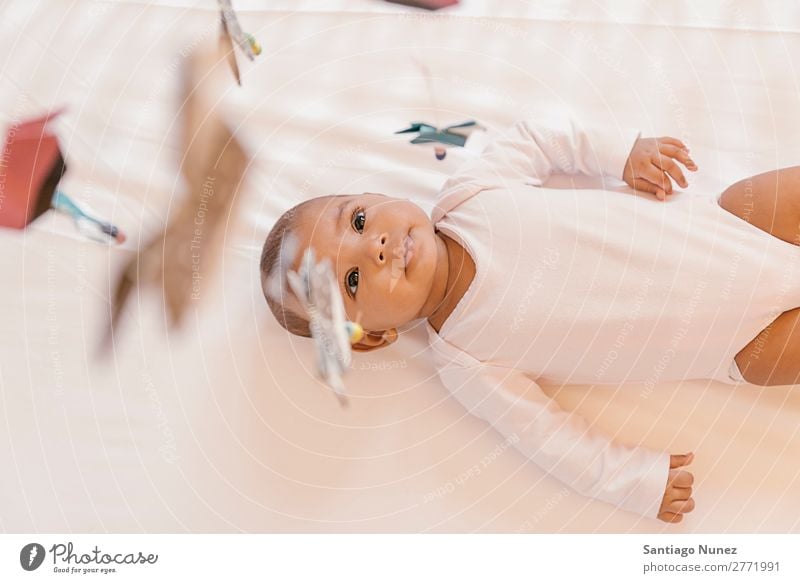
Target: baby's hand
x=651 y=163
x=677 y=499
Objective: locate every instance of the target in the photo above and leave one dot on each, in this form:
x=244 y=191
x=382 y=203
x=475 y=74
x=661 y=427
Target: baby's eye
x=359 y=218
x=351 y=282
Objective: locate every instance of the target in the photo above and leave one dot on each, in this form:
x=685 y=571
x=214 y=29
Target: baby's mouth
x=403 y=255
x=404 y=252
x=410 y=250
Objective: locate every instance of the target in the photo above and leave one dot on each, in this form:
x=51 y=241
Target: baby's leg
x=771 y=202
x=773 y=357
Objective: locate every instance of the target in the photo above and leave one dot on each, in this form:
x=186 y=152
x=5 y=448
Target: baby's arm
x=637 y=479
x=533 y=149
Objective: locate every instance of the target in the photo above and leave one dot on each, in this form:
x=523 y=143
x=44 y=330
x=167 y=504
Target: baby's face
x=383 y=250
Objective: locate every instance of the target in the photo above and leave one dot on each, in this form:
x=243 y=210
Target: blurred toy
x=232 y=32
x=452 y=135
x=316 y=288
x=92 y=227
x=178 y=259
x=31 y=166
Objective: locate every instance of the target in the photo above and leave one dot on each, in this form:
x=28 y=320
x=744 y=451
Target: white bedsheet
x=222 y=426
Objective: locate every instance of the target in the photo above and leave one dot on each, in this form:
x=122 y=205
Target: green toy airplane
x=452 y=135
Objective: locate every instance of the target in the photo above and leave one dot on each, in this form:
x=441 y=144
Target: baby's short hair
x=271 y=257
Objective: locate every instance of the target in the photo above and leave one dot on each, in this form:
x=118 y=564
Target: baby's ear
x=376 y=339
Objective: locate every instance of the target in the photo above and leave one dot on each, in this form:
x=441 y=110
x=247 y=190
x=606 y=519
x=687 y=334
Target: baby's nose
x=385 y=251
x=380 y=248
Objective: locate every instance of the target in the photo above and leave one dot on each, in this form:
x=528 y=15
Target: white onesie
x=594 y=286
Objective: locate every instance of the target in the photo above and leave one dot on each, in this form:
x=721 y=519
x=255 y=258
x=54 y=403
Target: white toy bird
x=316 y=289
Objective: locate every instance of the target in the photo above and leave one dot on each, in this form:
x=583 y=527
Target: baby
x=517 y=283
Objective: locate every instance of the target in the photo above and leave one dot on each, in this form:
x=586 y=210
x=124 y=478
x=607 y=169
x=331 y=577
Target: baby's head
x=384 y=255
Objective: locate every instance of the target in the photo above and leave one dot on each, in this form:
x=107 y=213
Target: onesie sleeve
x=561 y=443
x=533 y=149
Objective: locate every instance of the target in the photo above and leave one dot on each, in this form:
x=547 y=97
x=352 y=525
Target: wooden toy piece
x=181 y=258
x=31 y=166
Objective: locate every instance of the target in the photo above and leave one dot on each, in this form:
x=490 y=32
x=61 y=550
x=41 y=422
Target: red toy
x=31 y=166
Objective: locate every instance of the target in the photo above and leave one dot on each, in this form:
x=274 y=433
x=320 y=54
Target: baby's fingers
x=680 y=506
x=670 y=517
x=641 y=185
x=669 y=166
x=680 y=479
x=672 y=141
x=678 y=154
x=678 y=460
x=656 y=181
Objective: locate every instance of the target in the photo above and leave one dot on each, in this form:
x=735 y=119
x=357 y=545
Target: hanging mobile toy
x=212 y=168
x=452 y=135
x=31 y=167
x=315 y=287
x=232 y=32
x=93 y=228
